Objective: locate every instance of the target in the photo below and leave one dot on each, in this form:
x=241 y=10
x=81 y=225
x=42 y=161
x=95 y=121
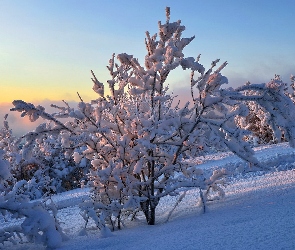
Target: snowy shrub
x=38 y=219
x=47 y=161
x=4 y=170
x=9 y=146
x=272 y=111
x=37 y=223
x=45 y=164
x=258 y=122
x=136 y=139
x=292 y=85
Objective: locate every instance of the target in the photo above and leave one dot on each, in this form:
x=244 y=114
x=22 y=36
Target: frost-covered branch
x=136 y=141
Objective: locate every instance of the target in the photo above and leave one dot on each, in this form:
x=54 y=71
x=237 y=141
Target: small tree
x=274 y=106
x=9 y=145
x=39 y=225
x=135 y=138
x=44 y=164
x=48 y=159
x=258 y=121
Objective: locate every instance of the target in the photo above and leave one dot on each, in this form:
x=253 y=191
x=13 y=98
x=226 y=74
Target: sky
x=47 y=48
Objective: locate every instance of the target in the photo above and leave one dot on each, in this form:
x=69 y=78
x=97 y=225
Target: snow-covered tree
x=136 y=138
x=45 y=165
x=292 y=85
x=49 y=165
x=271 y=116
x=9 y=144
x=258 y=122
x=39 y=223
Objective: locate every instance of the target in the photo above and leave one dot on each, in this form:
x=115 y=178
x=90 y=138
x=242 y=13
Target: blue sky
x=47 y=48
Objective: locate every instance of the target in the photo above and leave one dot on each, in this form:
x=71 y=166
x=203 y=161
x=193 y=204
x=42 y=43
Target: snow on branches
x=271 y=108
x=36 y=223
x=137 y=141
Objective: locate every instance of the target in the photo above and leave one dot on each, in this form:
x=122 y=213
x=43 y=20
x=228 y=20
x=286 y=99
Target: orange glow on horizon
x=11 y=93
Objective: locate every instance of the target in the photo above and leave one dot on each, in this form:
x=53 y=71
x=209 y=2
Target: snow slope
x=256 y=213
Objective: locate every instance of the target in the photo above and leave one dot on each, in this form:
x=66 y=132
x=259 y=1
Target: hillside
x=256 y=213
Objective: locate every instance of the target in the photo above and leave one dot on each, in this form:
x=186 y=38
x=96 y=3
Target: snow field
x=256 y=213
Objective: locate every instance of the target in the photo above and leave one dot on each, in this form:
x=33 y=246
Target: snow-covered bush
x=6 y=136
x=258 y=122
x=45 y=165
x=4 y=171
x=46 y=161
x=292 y=85
x=38 y=226
x=38 y=219
x=136 y=139
x=272 y=111
x=9 y=145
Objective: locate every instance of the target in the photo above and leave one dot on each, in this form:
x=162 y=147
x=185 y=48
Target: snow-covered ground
x=258 y=212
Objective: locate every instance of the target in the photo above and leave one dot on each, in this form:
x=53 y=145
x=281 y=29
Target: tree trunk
x=152 y=219
x=149 y=206
x=149 y=210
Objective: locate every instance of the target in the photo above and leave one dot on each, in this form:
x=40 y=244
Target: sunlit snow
x=256 y=213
